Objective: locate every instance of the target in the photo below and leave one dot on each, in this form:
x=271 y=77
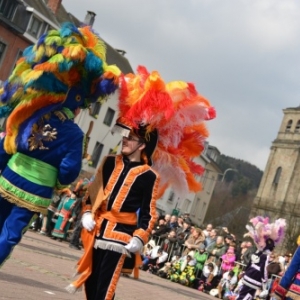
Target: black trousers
x=106 y=270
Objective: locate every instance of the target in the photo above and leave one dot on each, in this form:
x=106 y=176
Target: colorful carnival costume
x=266 y=236
x=65 y=216
x=42 y=150
x=289 y=285
x=168 y=120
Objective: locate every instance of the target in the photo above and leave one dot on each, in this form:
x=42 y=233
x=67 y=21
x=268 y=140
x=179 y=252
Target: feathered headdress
x=66 y=68
x=261 y=231
x=170 y=117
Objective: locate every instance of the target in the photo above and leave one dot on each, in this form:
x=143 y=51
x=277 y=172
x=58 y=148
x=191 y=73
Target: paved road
x=40 y=268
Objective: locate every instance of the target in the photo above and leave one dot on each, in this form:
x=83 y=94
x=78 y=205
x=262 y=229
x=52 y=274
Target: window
x=35 y=27
x=2 y=51
x=96 y=154
x=210 y=184
x=7 y=8
x=171 y=196
x=277 y=176
x=186 y=205
x=289 y=125
x=95 y=109
x=297 y=129
x=109 y=116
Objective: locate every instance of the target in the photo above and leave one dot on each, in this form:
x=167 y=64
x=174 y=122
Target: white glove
x=135 y=245
x=87 y=221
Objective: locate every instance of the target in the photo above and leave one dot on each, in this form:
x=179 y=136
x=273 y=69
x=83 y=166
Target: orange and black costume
x=127 y=186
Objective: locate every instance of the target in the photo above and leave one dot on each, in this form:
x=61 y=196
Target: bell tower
x=278 y=195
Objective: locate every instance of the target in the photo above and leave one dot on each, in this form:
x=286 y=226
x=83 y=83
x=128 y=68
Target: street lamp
x=227 y=170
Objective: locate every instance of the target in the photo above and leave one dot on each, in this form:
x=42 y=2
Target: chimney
x=89 y=18
x=54 y=5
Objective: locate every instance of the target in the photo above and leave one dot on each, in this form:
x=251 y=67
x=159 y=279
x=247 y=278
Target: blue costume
x=43 y=147
x=289 y=285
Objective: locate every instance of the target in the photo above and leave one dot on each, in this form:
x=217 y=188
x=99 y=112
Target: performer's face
x=131 y=144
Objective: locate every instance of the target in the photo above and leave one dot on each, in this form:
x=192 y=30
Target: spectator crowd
x=209 y=259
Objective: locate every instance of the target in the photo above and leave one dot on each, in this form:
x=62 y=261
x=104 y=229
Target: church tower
x=278 y=195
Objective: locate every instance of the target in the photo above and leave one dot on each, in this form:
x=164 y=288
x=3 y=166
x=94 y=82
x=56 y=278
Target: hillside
x=233 y=195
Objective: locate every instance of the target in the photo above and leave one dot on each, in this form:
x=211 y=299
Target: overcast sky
x=243 y=55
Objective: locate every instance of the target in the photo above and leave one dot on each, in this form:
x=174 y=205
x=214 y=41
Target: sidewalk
x=40 y=268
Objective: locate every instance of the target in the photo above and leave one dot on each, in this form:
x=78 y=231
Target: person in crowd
x=160 y=231
x=149 y=254
x=43 y=147
x=185 y=229
x=211 y=240
x=79 y=191
x=251 y=249
x=194 y=240
x=219 y=248
x=169 y=241
x=173 y=223
x=208 y=278
x=65 y=216
x=274 y=267
x=241 y=249
x=167 y=219
x=285 y=260
x=207 y=230
x=165 y=271
x=227 y=284
x=187 y=275
x=200 y=257
x=48 y=223
x=180 y=220
x=228 y=240
x=158 y=262
x=228 y=260
x=126 y=182
x=266 y=236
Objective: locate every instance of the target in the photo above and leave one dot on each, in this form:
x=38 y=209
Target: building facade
x=278 y=195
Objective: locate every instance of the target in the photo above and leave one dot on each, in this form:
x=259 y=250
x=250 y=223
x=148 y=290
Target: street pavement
x=40 y=268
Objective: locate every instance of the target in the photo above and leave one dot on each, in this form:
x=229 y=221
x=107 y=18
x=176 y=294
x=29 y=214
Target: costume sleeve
x=4 y=157
x=70 y=165
x=147 y=215
x=288 y=276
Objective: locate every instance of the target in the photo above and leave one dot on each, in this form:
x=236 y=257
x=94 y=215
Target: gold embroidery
x=39 y=135
x=62 y=117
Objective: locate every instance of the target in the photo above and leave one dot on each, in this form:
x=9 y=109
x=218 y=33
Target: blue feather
x=93 y=63
x=47 y=82
x=5 y=111
x=25 y=128
x=41 y=40
x=9 y=90
x=67 y=29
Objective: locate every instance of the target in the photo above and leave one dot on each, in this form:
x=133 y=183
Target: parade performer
x=48 y=223
x=289 y=285
x=162 y=126
x=265 y=236
x=43 y=147
x=80 y=189
x=65 y=216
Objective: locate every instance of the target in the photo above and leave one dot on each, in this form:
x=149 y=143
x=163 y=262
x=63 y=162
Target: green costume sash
x=33 y=169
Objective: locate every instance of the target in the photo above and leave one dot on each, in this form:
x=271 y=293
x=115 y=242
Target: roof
x=42 y=8
x=112 y=55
